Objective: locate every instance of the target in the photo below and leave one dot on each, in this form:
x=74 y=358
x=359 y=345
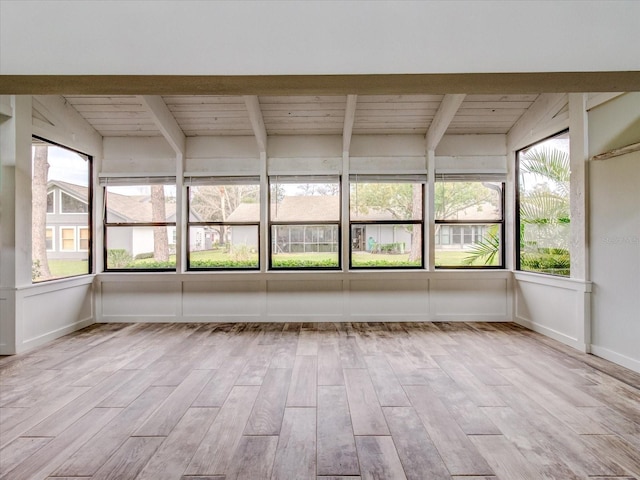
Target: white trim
x=625 y=361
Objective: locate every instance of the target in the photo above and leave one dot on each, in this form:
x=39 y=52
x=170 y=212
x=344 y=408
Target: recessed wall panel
x=469 y=299
x=140 y=299
x=393 y=298
x=304 y=298
x=222 y=299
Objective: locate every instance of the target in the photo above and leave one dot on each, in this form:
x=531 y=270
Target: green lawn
x=454 y=258
x=66 y=268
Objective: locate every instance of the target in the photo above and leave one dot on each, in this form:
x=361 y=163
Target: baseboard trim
x=551 y=333
x=627 y=362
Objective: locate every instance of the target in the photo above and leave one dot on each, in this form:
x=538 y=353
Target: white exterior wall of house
x=244 y=235
x=403 y=45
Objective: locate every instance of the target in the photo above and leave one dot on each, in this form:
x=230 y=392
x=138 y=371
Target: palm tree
x=544 y=215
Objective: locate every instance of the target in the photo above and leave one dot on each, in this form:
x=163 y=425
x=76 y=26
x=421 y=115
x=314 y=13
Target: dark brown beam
x=396 y=84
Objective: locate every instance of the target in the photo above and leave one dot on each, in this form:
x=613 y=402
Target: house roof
x=303 y=208
x=129 y=208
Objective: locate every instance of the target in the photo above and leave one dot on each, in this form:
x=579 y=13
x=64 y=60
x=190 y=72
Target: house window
x=386 y=221
x=140 y=214
x=51 y=202
x=68 y=239
x=543 y=215
x=224 y=223
x=59 y=176
x=50 y=239
x=83 y=238
x=469 y=221
x=304 y=222
x=71 y=204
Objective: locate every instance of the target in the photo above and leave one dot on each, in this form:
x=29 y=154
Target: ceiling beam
x=349 y=120
x=165 y=121
x=371 y=84
x=447 y=110
x=543 y=109
x=257 y=121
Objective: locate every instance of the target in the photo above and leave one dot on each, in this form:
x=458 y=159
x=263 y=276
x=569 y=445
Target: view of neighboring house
x=68 y=222
x=67 y=228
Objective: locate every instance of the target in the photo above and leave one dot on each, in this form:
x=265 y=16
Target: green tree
x=544 y=214
x=39 y=212
x=214 y=203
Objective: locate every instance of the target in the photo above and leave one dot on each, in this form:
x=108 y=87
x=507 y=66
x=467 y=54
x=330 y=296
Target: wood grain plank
x=296 y=452
x=459 y=454
x=385 y=383
x=481 y=394
x=216 y=391
x=172 y=458
x=173 y=408
x=253 y=458
x=219 y=444
x=43 y=462
x=537 y=447
x=378 y=458
x=329 y=365
x=570 y=446
x=54 y=425
x=366 y=413
x=417 y=453
x=554 y=404
x=129 y=459
x=505 y=459
x=302 y=391
x=93 y=454
x=19 y=450
x=463 y=409
x=616 y=449
x=336 y=446
x=267 y=413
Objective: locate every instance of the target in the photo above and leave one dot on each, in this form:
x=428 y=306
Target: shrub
x=248 y=263
x=118 y=258
x=142 y=256
x=304 y=263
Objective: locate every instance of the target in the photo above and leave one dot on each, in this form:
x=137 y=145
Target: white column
x=430 y=227
x=578 y=142
x=15 y=229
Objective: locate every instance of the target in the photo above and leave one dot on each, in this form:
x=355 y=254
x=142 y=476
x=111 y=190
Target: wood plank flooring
x=298 y=401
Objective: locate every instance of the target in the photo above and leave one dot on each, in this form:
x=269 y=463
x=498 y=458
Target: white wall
x=615 y=231
x=31 y=314
x=316 y=37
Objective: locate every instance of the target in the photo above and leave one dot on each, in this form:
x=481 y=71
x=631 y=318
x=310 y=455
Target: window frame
x=134 y=181
x=226 y=181
x=314 y=178
x=517 y=199
x=89 y=213
x=396 y=179
x=473 y=222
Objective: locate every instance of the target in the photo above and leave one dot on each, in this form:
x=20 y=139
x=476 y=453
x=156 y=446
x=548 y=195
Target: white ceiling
x=295 y=115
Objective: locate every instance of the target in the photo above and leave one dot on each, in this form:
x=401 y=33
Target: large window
x=386 y=221
x=139 y=222
x=304 y=222
x=469 y=222
x=60 y=174
x=224 y=223
x=543 y=206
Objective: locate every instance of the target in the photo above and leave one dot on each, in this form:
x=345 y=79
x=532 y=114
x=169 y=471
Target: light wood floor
x=316 y=401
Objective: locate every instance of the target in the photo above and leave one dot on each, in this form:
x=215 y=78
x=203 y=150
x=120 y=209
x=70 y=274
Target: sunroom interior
x=348 y=144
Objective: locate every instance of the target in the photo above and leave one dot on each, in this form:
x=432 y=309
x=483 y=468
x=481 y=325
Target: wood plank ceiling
x=295 y=115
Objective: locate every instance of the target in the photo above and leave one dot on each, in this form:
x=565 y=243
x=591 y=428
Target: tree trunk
x=39 y=213
x=416 y=231
x=159 y=214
